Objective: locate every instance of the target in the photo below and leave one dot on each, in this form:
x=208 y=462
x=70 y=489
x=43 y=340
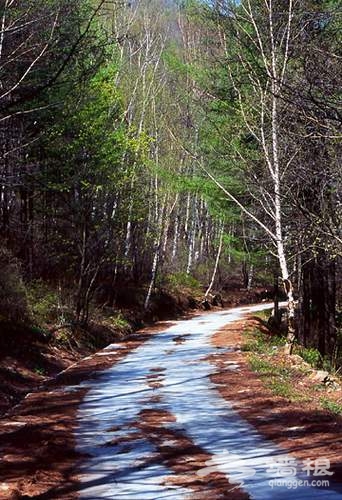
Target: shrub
x=311 y=356
x=182 y=280
x=13 y=298
x=118 y=322
x=43 y=302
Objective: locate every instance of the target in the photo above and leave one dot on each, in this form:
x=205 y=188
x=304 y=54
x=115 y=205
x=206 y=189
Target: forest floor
x=37 y=438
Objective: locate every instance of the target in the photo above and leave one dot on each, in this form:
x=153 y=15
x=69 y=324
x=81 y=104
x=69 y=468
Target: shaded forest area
x=152 y=149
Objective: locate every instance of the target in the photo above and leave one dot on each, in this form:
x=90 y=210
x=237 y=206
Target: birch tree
x=257 y=62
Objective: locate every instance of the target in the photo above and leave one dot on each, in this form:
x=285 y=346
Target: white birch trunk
x=187 y=214
x=217 y=260
x=175 y=238
x=192 y=238
x=157 y=250
x=250 y=277
x=190 y=253
x=153 y=274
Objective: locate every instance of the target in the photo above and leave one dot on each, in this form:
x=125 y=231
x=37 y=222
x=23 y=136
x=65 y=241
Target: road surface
x=160 y=396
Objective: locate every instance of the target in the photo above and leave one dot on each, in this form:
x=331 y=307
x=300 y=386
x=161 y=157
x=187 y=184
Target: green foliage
x=286 y=390
x=181 y=280
x=63 y=337
x=39 y=331
x=260 y=365
x=264 y=366
x=334 y=407
x=90 y=140
x=13 y=299
x=43 y=302
x=311 y=356
x=173 y=61
x=263 y=315
x=39 y=370
x=90 y=136
x=258 y=342
x=278 y=378
x=119 y=322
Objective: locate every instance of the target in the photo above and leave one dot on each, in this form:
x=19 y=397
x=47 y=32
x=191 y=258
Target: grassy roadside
x=298 y=378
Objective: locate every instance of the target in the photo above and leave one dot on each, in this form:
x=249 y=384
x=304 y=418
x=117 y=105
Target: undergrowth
x=332 y=406
x=276 y=377
x=266 y=357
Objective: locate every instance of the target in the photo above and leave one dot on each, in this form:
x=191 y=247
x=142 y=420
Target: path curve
x=168 y=377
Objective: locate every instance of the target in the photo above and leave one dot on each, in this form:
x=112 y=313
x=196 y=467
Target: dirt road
x=154 y=426
x=151 y=418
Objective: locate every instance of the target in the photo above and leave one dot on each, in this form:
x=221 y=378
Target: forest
x=153 y=146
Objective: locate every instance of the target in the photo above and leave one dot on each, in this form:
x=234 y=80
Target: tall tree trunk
x=317 y=305
x=217 y=260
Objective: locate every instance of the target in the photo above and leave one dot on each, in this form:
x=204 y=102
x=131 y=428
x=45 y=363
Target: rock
x=216 y=300
x=333 y=386
x=206 y=305
x=321 y=376
x=297 y=360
